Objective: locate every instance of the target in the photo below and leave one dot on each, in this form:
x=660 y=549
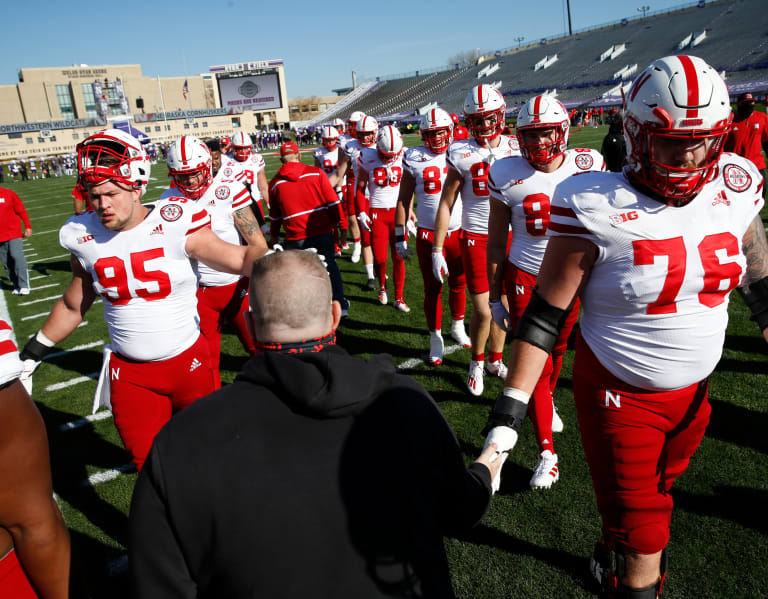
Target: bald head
x=290 y=297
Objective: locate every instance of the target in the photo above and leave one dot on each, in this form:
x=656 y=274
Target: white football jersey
x=655 y=308
x=247 y=171
x=472 y=162
x=528 y=193
x=11 y=366
x=383 y=178
x=147 y=280
x=353 y=149
x=429 y=171
x=327 y=159
x=221 y=200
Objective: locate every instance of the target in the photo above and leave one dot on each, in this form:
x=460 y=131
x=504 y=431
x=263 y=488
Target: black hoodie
x=312 y=475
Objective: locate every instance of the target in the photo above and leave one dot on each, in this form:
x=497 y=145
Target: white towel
x=101 y=399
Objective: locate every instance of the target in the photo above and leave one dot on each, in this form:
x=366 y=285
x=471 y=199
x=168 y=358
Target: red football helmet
x=543 y=112
x=352 y=121
x=366 y=131
x=112 y=155
x=226 y=145
x=242 y=146
x=455 y=119
x=484 y=103
x=187 y=157
x=677 y=108
x=436 y=129
x=329 y=136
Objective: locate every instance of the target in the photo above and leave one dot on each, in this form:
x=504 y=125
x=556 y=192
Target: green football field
x=530 y=544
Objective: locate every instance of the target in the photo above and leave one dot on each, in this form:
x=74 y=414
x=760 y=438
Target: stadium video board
x=250 y=92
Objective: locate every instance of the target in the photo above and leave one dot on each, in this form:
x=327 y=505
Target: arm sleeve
x=156 y=561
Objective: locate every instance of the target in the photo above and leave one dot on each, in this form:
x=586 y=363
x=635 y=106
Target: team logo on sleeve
x=222 y=192
x=227 y=172
x=171 y=212
x=736 y=178
x=584 y=161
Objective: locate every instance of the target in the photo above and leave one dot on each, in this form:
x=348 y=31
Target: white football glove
x=411 y=227
x=25 y=378
x=318 y=254
x=500 y=315
x=439 y=265
x=365 y=221
x=505 y=438
x=403 y=250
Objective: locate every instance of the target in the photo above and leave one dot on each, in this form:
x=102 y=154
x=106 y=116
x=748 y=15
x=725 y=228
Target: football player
x=424 y=172
x=221 y=296
x=327 y=158
x=653 y=253
x=459 y=131
x=249 y=168
x=468 y=164
x=226 y=146
x=379 y=172
x=140 y=258
x=521 y=191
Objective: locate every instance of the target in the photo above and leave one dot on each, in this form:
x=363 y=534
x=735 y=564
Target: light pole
x=644 y=9
x=519 y=40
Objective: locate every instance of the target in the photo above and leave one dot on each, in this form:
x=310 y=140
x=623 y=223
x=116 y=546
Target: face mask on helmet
x=484 y=113
x=242 y=146
x=677 y=115
x=329 y=137
x=436 y=129
x=436 y=140
x=189 y=164
x=542 y=130
x=112 y=155
x=366 y=131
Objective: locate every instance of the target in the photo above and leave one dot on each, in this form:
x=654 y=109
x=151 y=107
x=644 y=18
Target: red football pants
x=433 y=303
x=382 y=241
x=13 y=581
x=145 y=395
x=636 y=442
x=519 y=287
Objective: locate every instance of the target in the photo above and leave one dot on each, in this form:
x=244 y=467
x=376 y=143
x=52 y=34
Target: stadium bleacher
x=734 y=42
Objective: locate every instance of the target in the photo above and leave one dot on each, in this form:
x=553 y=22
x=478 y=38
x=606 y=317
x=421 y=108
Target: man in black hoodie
x=315 y=474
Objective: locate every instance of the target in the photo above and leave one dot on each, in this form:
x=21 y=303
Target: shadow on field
x=738 y=504
x=575 y=566
x=738 y=425
x=44 y=267
x=71 y=451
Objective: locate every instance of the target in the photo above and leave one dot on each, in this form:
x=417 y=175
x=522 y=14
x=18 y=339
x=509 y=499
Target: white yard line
x=72 y=382
x=414 y=362
x=39 y=260
x=80 y=422
x=107 y=475
x=54 y=215
x=46 y=286
x=42 y=299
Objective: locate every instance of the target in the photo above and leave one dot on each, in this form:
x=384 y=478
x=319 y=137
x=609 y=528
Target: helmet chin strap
x=492 y=157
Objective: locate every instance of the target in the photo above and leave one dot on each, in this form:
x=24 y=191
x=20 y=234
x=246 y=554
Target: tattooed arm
x=754 y=286
x=249 y=228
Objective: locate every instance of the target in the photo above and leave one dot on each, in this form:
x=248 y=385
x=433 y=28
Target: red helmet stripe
x=692 y=82
x=183 y=145
x=536 y=109
x=480 y=97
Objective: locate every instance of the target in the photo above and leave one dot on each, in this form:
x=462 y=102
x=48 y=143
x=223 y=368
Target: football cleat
x=370 y=285
x=383 y=297
x=459 y=334
x=497 y=368
x=401 y=305
x=475 y=378
x=547 y=472
x=436 y=347
x=557 y=422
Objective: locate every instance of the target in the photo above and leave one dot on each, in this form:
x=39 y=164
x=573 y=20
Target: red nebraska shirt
x=302 y=201
x=12 y=212
x=747 y=136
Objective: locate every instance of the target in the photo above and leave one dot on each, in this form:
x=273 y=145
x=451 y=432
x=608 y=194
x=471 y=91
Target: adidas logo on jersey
x=158 y=230
x=721 y=198
x=211 y=203
x=195 y=364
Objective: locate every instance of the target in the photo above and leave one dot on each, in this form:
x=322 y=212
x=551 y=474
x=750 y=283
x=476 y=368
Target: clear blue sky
x=320 y=42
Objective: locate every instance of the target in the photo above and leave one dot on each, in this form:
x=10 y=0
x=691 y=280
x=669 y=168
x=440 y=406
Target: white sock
x=369 y=270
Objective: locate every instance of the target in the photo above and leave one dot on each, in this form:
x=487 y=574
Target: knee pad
x=607 y=566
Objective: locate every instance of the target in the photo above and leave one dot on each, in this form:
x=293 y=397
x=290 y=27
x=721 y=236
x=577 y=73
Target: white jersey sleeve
x=327 y=159
x=145 y=277
x=11 y=366
x=655 y=308
x=429 y=171
x=383 y=179
x=528 y=194
x=472 y=162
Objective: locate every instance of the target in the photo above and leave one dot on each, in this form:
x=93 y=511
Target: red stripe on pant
x=13 y=581
x=145 y=395
x=433 y=304
x=217 y=305
x=382 y=241
x=637 y=442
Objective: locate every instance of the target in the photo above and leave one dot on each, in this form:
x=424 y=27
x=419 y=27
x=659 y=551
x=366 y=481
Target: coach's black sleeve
x=156 y=562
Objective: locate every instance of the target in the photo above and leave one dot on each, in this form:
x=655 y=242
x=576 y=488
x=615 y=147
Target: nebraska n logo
x=610 y=397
